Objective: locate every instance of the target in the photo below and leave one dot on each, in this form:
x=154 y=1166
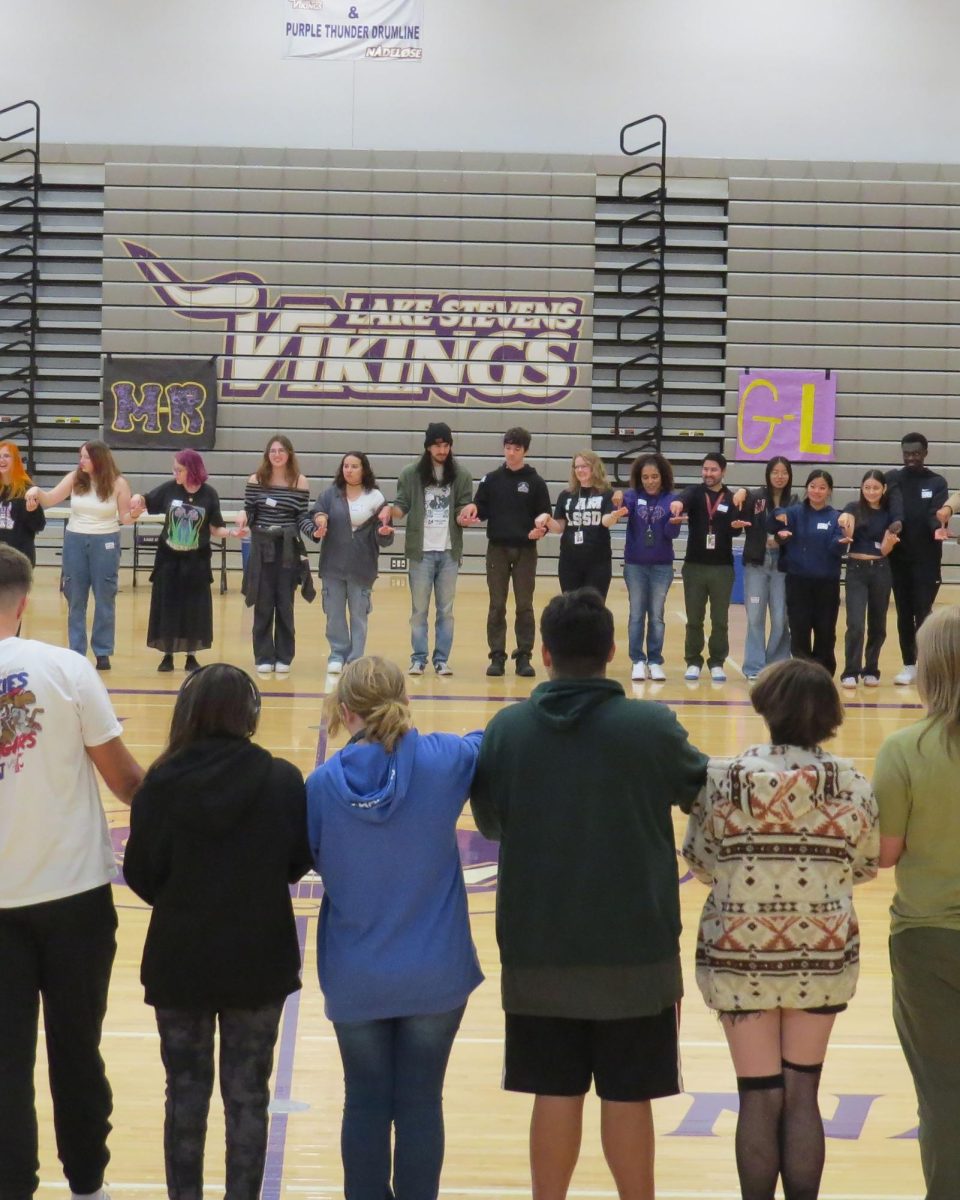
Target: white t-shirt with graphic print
x=54 y=840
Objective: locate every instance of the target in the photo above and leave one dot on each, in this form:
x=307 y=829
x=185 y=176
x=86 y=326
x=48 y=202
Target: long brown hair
x=105 y=471
x=218 y=700
x=938 y=669
x=265 y=470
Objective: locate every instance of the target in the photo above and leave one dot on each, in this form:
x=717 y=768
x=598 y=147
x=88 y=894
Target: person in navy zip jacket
x=648 y=560
x=817 y=545
x=394 y=953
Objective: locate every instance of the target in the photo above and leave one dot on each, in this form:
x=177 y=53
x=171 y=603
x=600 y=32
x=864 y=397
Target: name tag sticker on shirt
x=270 y=502
x=877 y=546
x=109 y=545
x=723 y=507
x=823 y=524
x=926 y=493
x=754 y=599
x=640 y=500
x=176 y=504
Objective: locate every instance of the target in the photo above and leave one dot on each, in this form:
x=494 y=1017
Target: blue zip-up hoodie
x=815 y=550
x=394 y=935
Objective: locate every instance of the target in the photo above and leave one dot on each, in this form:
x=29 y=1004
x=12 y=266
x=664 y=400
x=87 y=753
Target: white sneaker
x=282 y=668
x=871 y=681
x=98 y=1195
x=443 y=668
x=906 y=676
x=718 y=675
x=334 y=666
x=848 y=681
x=655 y=672
x=692 y=673
x=264 y=668
x=639 y=672
x=416 y=668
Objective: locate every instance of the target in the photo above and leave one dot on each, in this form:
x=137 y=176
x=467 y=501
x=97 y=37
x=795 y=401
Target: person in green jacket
x=431 y=494
x=577 y=784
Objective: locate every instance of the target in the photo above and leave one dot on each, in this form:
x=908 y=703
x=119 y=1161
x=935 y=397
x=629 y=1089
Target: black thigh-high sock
x=758 y=1134
x=801 y=1132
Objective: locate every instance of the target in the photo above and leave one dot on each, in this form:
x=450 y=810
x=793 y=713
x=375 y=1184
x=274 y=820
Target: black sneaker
x=524 y=667
x=166 y=663
x=496 y=667
x=103 y=662
x=191 y=664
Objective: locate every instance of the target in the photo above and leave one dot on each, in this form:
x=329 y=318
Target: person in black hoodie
x=216 y=807
x=510 y=499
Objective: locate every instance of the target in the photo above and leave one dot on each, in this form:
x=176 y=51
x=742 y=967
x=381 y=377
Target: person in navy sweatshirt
x=817 y=545
x=394 y=953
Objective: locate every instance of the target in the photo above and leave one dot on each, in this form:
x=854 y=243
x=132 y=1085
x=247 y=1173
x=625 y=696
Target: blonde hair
x=598 y=478
x=938 y=667
x=373 y=688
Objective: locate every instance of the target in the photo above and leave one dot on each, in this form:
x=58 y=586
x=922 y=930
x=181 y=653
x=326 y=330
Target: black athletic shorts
x=628 y=1060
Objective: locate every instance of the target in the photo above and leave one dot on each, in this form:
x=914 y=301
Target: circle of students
x=588 y=915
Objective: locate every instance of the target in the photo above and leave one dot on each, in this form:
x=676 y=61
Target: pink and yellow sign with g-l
x=788 y=412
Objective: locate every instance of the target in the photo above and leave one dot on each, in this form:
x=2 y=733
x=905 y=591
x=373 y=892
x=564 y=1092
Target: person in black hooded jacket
x=215 y=808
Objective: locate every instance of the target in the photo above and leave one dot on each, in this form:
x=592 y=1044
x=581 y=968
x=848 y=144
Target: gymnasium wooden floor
x=868 y=1102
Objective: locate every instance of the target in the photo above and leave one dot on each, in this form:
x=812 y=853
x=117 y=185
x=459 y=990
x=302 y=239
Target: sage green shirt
x=410 y=501
x=917 y=785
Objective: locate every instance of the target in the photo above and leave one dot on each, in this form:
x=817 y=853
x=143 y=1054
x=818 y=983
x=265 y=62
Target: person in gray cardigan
x=344 y=520
x=431 y=494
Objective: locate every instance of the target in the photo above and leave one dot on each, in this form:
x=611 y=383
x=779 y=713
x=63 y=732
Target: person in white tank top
x=99 y=505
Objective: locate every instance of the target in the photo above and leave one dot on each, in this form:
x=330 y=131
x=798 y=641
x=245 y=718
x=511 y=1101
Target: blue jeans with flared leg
x=393 y=1072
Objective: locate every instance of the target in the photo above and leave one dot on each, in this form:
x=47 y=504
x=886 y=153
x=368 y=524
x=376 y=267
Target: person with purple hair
x=181 y=610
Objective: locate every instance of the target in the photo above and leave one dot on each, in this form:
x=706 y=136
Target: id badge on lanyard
x=711 y=541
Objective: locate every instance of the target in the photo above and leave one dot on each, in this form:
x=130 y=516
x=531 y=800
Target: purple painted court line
x=277 y=1138
x=459 y=699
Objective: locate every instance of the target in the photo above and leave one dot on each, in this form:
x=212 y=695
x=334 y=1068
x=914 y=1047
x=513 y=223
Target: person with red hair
x=18 y=524
x=181 y=609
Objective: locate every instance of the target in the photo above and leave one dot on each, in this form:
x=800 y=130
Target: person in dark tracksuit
x=817 y=544
x=916 y=495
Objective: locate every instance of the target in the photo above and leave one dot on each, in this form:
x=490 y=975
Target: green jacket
x=410 y=500
x=577 y=784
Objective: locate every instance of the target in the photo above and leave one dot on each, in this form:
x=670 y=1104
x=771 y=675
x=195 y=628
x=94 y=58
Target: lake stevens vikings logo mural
x=378 y=345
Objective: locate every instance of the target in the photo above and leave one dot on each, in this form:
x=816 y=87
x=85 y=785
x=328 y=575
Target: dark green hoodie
x=577 y=784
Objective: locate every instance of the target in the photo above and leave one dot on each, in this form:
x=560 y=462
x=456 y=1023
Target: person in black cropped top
x=872 y=532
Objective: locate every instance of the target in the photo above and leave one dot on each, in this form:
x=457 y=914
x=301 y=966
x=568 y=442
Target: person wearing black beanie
x=432 y=493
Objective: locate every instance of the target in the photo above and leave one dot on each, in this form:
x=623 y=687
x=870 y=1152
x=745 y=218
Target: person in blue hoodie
x=817 y=544
x=394 y=953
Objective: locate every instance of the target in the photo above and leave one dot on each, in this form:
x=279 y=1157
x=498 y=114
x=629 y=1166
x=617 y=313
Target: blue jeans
x=647 y=587
x=436 y=571
x=339 y=595
x=91 y=560
x=765 y=588
x=393 y=1073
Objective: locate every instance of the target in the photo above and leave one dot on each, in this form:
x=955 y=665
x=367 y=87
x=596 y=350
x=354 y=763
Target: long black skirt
x=181 y=607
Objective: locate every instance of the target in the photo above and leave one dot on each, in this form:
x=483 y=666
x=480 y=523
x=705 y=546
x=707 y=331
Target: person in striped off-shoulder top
x=781 y=834
x=275 y=502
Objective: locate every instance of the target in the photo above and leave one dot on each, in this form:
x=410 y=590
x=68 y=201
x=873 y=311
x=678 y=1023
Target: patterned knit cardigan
x=780 y=835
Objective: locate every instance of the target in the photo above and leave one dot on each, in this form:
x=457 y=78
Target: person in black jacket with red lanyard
x=214 y=808
x=510 y=499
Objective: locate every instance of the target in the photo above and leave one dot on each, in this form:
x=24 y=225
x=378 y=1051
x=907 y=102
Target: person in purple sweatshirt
x=648 y=560
x=394 y=953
